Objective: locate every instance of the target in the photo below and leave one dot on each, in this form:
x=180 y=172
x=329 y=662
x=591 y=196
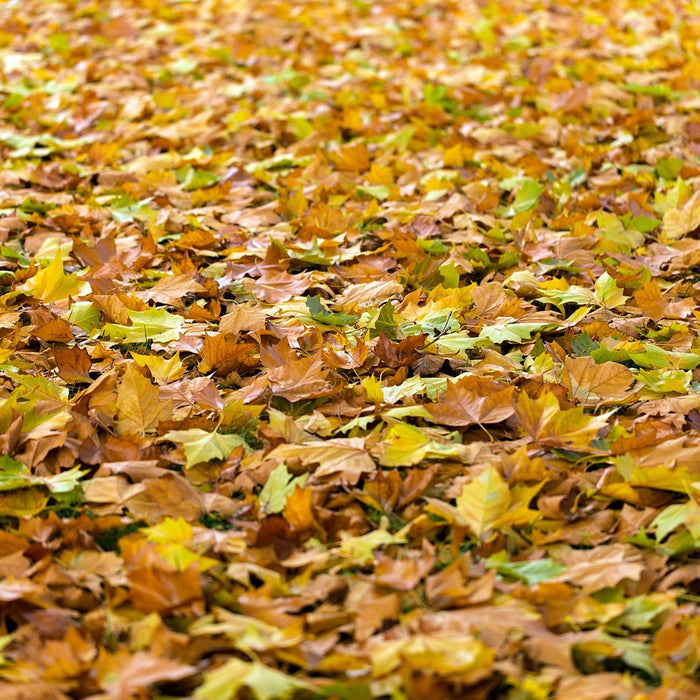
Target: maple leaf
x=224 y=354
x=276 y=286
x=588 y=381
x=139 y=406
x=263 y=682
x=123 y=674
x=279 y=486
x=202 y=446
x=544 y=421
x=302 y=379
x=480 y=504
x=53 y=284
x=156 y=325
x=473 y=401
x=678 y=221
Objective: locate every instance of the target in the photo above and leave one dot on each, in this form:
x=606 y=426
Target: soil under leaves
x=349 y=349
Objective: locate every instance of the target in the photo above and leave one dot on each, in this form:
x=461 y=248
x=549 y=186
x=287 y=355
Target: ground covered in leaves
x=349 y=349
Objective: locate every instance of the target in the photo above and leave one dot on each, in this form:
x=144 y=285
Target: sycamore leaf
x=672 y=517
x=679 y=221
x=202 y=446
x=653 y=304
x=162 y=370
x=278 y=487
x=532 y=572
x=302 y=379
x=126 y=675
x=587 y=381
x=608 y=293
x=483 y=501
x=157 y=325
x=53 y=284
x=139 y=407
x=473 y=401
x=247 y=632
x=545 y=422
x=360 y=550
x=406 y=444
x=263 y=682
x=440 y=654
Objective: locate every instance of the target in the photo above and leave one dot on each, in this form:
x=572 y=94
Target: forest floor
x=349 y=349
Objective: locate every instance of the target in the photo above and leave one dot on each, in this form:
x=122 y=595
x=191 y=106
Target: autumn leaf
x=679 y=221
x=302 y=379
x=201 y=446
x=349 y=350
x=53 y=284
x=473 y=401
x=587 y=381
x=545 y=422
x=139 y=407
x=479 y=505
x=263 y=682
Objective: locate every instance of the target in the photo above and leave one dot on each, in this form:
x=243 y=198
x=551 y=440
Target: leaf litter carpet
x=349 y=349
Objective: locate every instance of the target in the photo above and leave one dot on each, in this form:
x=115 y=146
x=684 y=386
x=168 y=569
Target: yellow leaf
x=139 y=408
x=162 y=370
x=483 y=501
x=678 y=221
x=543 y=419
x=23 y=503
x=53 y=284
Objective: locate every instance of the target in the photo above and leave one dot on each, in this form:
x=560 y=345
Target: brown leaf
x=401 y=353
x=223 y=354
x=654 y=305
x=302 y=379
x=73 y=364
x=546 y=423
x=585 y=379
x=473 y=401
x=278 y=286
x=154 y=585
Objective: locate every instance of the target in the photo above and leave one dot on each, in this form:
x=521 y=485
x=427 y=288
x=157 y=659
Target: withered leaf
x=473 y=400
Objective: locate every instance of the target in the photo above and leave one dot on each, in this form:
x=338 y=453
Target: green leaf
x=125 y=209
x=321 y=314
x=378 y=192
x=16 y=475
x=681 y=514
x=531 y=572
x=512 y=332
x=195 y=178
x=384 y=322
x=669 y=168
x=59 y=43
x=202 y=446
x=13 y=474
x=156 y=325
x=608 y=293
x=84 y=315
x=278 y=487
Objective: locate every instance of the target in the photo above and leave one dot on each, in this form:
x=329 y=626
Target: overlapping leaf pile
x=349 y=349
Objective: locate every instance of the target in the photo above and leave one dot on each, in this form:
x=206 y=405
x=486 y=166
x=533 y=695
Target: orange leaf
x=302 y=379
x=585 y=379
x=223 y=354
x=473 y=401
